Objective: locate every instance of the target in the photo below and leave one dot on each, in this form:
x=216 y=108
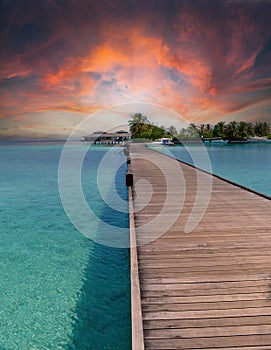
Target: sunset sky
x=62 y=60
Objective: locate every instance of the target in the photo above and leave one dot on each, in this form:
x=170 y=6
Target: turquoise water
x=245 y=164
x=58 y=289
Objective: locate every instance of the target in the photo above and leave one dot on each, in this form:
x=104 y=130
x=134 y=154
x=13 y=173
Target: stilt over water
x=209 y=289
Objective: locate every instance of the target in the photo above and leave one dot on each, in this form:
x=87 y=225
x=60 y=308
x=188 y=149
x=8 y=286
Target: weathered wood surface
x=210 y=289
x=136 y=309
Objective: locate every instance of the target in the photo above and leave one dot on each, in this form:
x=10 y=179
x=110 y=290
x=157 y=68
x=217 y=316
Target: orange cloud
x=249 y=63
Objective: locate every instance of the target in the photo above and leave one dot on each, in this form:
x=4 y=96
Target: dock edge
x=136 y=311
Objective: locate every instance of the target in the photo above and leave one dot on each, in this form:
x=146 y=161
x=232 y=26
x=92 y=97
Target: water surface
x=58 y=289
x=248 y=165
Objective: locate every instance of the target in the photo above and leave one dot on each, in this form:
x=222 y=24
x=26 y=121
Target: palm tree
x=201 y=129
x=262 y=129
x=172 y=130
x=192 y=131
x=220 y=130
x=138 y=118
x=137 y=123
x=243 y=130
x=232 y=131
x=250 y=129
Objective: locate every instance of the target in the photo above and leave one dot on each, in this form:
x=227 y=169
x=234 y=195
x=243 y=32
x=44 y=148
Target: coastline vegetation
x=141 y=128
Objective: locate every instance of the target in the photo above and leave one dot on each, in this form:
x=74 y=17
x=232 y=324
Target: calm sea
x=58 y=289
x=245 y=164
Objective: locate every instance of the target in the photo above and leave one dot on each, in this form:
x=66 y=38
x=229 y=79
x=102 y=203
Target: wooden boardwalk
x=210 y=289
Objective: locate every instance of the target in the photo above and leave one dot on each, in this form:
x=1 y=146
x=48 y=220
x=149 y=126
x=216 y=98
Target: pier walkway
x=211 y=288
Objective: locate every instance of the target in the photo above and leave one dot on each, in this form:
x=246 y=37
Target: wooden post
x=129 y=180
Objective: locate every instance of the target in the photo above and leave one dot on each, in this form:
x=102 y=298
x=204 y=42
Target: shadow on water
x=103 y=313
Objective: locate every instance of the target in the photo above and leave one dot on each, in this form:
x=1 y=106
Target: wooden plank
x=163 y=315
x=168 y=284
x=204 y=262
x=204 y=253
x=201 y=245
x=238 y=292
x=190 y=255
x=216 y=342
x=207 y=332
x=206 y=286
x=163 y=267
x=262 y=347
x=186 y=274
x=222 y=305
x=207 y=322
x=210 y=279
x=204 y=298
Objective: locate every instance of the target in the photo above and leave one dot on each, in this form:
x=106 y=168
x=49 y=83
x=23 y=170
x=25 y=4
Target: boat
x=257 y=139
x=165 y=141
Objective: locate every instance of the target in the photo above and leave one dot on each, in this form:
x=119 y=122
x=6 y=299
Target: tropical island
x=141 y=128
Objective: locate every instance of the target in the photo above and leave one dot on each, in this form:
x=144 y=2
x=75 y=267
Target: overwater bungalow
x=102 y=137
x=213 y=139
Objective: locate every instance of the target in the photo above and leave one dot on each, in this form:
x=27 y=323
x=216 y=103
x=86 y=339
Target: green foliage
x=141 y=127
x=191 y=133
x=234 y=131
x=220 y=130
x=262 y=129
x=138 y=118
x=172 y=130
x=138 y=124
x=204 y=130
